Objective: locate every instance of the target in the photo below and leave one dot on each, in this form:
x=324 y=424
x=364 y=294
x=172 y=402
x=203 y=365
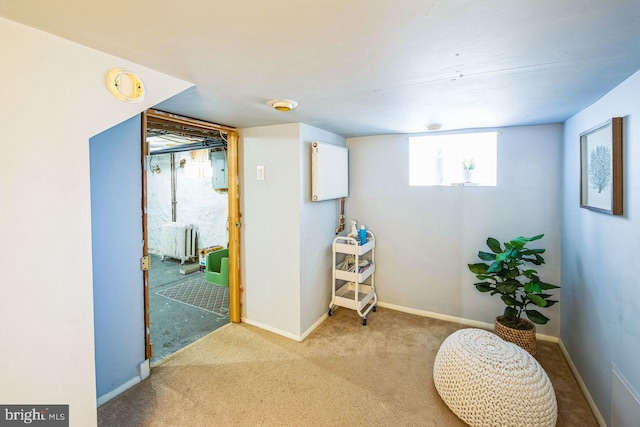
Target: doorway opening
x=190 y=222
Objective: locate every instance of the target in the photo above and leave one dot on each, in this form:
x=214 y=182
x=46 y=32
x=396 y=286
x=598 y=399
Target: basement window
x=465 y=159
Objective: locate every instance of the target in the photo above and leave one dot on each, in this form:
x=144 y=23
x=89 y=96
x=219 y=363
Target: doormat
x=200 y=294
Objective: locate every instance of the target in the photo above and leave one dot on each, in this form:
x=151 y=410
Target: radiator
x=179 y=241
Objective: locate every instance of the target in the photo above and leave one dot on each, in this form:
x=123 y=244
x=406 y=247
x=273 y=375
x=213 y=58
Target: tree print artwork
x=600 y=168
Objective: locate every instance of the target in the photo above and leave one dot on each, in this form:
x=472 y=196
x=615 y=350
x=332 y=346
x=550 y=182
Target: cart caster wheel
x=375 y=307
x=364 y=321
x=330 y=312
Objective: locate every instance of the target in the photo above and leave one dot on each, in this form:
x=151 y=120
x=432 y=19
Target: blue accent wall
x=116 y=226
x=600 y=268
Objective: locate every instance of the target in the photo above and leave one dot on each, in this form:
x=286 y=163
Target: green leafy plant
x=505 y=274
x=468 y=164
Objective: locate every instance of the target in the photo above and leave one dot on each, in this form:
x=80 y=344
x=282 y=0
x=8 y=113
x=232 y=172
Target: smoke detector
x=283 y=104
x=434 y=126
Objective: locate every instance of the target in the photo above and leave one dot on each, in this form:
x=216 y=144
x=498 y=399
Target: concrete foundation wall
x=198 y=203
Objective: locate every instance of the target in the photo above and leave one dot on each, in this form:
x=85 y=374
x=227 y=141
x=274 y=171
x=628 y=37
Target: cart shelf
x=354 y=248
x=346 y=296
x=360 y=277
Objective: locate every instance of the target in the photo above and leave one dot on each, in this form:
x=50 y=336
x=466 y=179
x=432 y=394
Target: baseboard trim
x=113 y=393
x=272 y=329
x=454 y=319
x=144 y=369
x=286 y=334
x=314 y=326
x=582 y=385
x=423 y=313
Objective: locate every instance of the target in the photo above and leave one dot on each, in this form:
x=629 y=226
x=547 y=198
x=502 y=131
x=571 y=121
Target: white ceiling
x=362 y=67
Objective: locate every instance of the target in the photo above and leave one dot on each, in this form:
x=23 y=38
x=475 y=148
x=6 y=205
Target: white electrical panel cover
x=329 y=171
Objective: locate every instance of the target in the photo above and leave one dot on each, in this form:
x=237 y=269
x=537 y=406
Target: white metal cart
x=349 y=288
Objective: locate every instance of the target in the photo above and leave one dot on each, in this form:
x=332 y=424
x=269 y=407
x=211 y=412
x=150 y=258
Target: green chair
x=216 y=269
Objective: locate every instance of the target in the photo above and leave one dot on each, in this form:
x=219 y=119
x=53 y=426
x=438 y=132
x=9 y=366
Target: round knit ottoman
x=490 y=382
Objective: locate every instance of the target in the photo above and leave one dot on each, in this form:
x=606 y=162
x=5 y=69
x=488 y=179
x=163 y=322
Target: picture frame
x=601 y=168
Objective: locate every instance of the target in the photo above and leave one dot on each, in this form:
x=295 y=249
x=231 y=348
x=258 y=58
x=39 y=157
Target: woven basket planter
x=524 y=338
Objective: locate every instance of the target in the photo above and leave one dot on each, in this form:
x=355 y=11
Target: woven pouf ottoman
x=487 y=381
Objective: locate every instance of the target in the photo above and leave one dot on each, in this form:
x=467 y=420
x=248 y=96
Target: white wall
x=427 y=235
x=286 y=237
x=600 y=268
x=198 y=203
x=318 y=222
x=52 y=100
x=271 y=226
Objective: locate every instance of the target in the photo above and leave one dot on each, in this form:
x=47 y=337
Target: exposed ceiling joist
x=171 y=133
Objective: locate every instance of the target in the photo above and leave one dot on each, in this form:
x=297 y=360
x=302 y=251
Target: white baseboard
x=286 y=334
x=144 y=369
x=314 y=326
x=423 y=313
x=583 y=387
x=461 y=320
x=113 y=393
x=272 y=329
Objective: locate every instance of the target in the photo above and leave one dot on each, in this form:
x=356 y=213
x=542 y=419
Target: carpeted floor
x=343 y=374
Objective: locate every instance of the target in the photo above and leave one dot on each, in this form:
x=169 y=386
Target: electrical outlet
x=260 y=173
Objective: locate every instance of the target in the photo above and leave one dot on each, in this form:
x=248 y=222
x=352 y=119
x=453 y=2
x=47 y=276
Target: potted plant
x=505 y=273
x=468 y=166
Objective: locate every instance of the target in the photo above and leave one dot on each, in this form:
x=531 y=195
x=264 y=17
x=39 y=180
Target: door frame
x=233 y=218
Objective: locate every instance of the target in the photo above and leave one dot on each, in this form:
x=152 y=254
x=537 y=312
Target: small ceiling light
x=283 y=104
x=434 y=126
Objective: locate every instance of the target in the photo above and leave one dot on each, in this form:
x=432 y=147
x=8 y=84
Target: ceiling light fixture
x=434 y=126
x=125 y=86
x=283 y=104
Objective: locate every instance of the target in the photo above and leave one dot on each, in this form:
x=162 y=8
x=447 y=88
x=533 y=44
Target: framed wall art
x=601 y=168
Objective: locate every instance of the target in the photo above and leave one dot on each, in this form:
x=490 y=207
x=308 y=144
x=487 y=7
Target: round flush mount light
x=434 y=126
x=283 y=104
x=125 y=86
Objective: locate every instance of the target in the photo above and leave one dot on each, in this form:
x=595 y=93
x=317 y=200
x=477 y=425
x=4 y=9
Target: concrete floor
x=175 y=325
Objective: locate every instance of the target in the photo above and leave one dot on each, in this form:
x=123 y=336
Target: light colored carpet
x=343 y=374
x=200 y=294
